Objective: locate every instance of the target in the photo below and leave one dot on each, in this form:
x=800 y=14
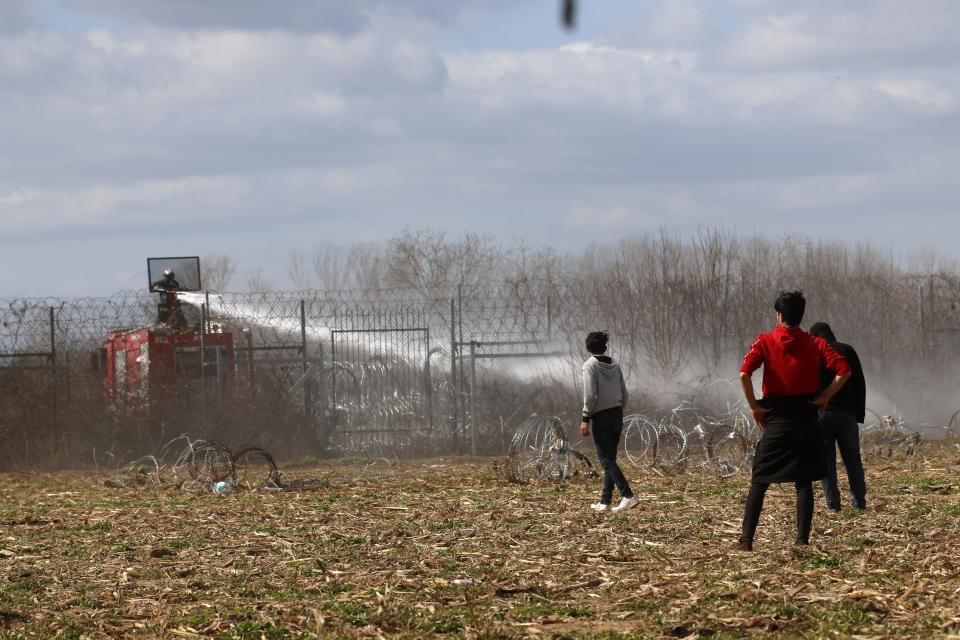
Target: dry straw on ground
x=444 y=547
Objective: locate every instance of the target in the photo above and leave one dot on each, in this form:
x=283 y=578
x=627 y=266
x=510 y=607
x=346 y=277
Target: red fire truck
x=169 y=363
x=145 y=367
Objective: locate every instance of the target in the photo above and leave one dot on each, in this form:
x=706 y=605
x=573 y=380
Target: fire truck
x=172 y=362
x=146 y=367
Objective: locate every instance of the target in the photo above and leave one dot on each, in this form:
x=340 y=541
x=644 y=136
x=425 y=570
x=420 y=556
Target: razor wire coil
x=197 y=464
x=539 y=451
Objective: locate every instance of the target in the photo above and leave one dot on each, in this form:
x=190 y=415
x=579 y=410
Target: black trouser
x=606 y=426
x=751 y=515
x=839 y=430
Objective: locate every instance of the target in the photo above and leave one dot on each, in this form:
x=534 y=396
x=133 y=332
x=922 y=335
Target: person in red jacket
x=790 y=447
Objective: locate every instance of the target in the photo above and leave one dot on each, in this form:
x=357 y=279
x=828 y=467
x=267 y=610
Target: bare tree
x=298 y=271
x=357 y=266
x=367 y=267
x=217 y=270
x=256 y=282
x=428 y=262
x=525 y=262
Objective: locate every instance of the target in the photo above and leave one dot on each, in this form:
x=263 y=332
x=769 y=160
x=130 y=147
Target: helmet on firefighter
x=168 y=273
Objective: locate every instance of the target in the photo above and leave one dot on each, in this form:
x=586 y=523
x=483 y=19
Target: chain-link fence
x=318 y=373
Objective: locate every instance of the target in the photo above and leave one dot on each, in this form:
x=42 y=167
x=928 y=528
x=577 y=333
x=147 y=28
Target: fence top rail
x=387 y=330
x=270 y=347
x=28 y=354
x=501 y=343
x=32 y=367
x=501 y=356
x=545 y=287
x=404 y=295
x=266 y=361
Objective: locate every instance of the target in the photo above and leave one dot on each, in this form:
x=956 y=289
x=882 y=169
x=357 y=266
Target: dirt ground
x=445 y=547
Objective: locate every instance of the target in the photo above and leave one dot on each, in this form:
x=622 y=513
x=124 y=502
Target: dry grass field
x=444 y=547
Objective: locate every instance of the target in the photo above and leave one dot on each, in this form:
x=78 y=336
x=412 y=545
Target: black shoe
x=744 y=546
x=801 y=542
x=834 y=508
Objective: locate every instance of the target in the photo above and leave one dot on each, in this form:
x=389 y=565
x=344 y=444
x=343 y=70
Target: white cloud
x=933 y=97
x=138 y=205
x=104 y=107
x=317 y=16
x=875 y=34
x=675 y=86
x=679 y=22
x=646 y=210
x=15 y=16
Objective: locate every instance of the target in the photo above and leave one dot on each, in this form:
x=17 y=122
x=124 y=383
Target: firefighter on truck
x=169 y=311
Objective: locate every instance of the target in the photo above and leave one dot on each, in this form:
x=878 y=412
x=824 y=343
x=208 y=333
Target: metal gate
x=379 y=387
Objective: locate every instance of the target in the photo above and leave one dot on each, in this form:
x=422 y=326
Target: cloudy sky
x=132 y=128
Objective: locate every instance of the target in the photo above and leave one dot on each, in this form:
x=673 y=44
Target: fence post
x=334 y=413
x=307 y=386
x=474 y=440
x=453 y=378
x=66 y=379
x=932 y=333
x=318 y=379
x=53 y=369
x=203 y=361
x=428 y=384
x=923 y=329
x=460 y=383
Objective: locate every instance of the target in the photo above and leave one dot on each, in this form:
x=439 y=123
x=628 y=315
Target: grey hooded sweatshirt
x=603 y=386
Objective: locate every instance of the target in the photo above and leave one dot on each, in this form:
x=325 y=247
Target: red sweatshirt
x=791 y=360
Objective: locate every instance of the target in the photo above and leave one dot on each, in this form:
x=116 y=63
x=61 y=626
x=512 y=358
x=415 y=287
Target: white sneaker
x=599 y=506
x=626 y=503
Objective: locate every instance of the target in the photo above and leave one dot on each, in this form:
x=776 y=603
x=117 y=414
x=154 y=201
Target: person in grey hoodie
x=604 y=396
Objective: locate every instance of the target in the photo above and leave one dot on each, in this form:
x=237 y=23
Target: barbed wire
x=484 y=354
x=540 y=452
x=195 y=464
x=690 y=439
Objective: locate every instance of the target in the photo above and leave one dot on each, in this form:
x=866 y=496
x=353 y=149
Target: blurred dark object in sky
x=569 y=14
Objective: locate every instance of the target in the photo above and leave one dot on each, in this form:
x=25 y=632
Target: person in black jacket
x=839 y=424
x=169 y=311
x=167 y=284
